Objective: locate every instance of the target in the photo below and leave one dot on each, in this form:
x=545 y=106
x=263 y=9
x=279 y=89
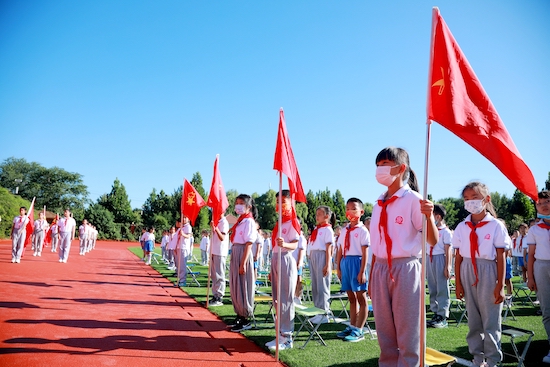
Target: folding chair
x=262 y=298
x=335 y=278
x=508 y=308
x=304 y=314
x=513 y=333
x=193 y=275
x=526 y=293
x=458 y=306
x=437 y=358
x=343 y=298
x=307 y=289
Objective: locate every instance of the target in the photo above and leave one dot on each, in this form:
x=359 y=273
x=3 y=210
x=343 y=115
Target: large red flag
x=30 y=224
x=217 y=199
x=284 y=161
x=191 y=202
x=457 y=101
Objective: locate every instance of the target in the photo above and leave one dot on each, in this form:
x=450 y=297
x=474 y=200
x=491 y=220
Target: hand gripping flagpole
x=279 y=235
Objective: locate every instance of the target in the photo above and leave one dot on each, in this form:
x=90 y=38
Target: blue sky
x=150 y=91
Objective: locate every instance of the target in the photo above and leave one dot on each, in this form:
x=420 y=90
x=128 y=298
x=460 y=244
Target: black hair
x=249 y=201
x=330 y=213
x=440 y=210
x=483 y=190
x=24 y=208
x=399 y=156
x=355 y=200
x=544 y=194
x=285 y=193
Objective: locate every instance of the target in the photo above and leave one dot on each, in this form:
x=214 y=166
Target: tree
x=54 y=187
x=104 y=221
x=523 y=206
x=267 y=215
x=118 y=204
x=312 y=205
x=547 y=182
x=339 y=207
x=9 y=209
x=203 y=219
x=455 y=211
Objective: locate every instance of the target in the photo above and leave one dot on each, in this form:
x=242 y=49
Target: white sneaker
x=64 y=261
x=546 y=359
x=34 y=254
x=271 y=344
x=17 y=261
x=60 y=260
x=13 y=260
x=319 y=319
x=284 y=343
x=39 y=254
x=297 y=301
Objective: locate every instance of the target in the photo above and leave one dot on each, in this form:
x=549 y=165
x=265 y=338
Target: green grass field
x=451 y=340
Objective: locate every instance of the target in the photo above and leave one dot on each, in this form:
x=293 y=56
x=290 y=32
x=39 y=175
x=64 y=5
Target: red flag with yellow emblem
x=191 y=202
x=457 y=101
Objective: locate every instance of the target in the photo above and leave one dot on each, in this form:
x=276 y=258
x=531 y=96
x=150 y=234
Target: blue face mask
x=542 y=216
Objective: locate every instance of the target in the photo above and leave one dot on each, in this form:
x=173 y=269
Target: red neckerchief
x=515 y=243
x=383 y=228
x=347 y=243
x=234 y=229
x=474 y=245
x=313 y=236
x=432 y=247
x=543 y=225
x=289 y=217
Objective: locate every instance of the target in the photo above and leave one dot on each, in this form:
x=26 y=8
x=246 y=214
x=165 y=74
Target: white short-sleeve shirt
x=19 y=224
x=302 y=243
x=539 y=237
x=445 y=238
x=205 y=243
x=359 y=238
x=221 y=248
x=324 y=235
x=491 y=236
x=404 y=226
x=518 y=244
x=289 y=234
x=66 y=225
x=245 y=231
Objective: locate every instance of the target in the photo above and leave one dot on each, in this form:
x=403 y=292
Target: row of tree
x=115 y=218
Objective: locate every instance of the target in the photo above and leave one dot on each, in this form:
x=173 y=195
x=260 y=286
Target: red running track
x=108 y=309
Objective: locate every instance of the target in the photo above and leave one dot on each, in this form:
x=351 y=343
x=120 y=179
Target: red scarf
x=474 y=245
x=432 y=247
x=347 y=243
x=313 y=236
x=234 y=229
x=543 y=225
x=289 y=217
x=383 y=228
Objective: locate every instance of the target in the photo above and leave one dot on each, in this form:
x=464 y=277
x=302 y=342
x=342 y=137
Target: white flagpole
x=210 y=261
x=424 y=219
x=278 y=320
x=180 y=250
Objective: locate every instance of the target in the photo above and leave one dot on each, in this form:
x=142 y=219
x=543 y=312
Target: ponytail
x=412 y=181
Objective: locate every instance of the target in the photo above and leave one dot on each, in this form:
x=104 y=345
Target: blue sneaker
x=342 y=334
x=356 y=335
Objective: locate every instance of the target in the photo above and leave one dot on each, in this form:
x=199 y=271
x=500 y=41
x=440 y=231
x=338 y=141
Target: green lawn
x=451 y=340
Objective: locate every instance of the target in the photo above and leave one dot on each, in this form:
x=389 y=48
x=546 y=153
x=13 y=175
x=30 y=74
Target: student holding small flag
x=220 y=247
x=67 y=229
x=54 y=234
x=538 y=278
x=18 y=235
x=481 y=241
x=39 y=234
x=183 y=248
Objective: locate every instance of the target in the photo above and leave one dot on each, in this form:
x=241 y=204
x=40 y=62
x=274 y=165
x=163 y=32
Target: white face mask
x=383 y=175
x=240 y=209
x=474 y=206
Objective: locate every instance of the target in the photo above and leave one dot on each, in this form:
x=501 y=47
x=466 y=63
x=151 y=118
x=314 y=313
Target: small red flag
x=217 y=198
x=457 y=101
x=191 y=202
x=30 y=224
x=284 y=161
x=48 y=239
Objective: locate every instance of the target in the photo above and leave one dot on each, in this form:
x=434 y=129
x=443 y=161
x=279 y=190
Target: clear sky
x=151 y=91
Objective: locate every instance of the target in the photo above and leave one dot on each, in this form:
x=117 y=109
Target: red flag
x=191 y=202
x=284 y=161
x=457 y=101
x=30 y=224
x=217 y=199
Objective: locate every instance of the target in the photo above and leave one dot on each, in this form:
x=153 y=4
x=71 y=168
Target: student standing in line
x=395 y=282
x=55 y=235
x=18 y=235
x=299 y=255
x=241 y=266
x=204 y=247
x=67 y=229
x=220 y=247
x=163 y=243
x=149 y=245
x=321 y=246
x=39 y=234
x=83 y=236
x=481 y=241
x=183 y=249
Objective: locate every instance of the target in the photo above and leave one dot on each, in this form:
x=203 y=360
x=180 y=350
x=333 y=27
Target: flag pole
x=278 y=313
x=422 y=304
x=210 y=262
x=180 y=250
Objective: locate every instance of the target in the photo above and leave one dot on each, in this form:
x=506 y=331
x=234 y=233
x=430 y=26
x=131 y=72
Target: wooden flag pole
x=278 y=313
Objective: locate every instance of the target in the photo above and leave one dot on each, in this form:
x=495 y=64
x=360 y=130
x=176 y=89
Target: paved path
x=108 y=309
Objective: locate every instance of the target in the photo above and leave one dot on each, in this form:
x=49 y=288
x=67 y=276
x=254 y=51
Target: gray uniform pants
x=83 y=242
x=38 y=241
x=17 y=243
x=217 y=273
x=241 y=286
x=396 y=311
x=288 y=289
x=64 y=245
x=181 y=264
x=54 y=242
x=542 y=279
x=320 y=285
x=438 y=285
x=484 y=317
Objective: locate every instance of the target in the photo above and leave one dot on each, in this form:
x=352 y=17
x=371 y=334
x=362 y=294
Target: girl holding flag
x=19 y=234
x=241 y=266
x=481 y=241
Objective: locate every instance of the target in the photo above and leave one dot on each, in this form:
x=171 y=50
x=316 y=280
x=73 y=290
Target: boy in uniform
x=18 y=235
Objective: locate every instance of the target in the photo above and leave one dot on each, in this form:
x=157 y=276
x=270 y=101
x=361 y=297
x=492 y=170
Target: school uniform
x=83 y=237
x=219 y=256
x=266 y=251
x=484 y=316
x=257 y=244
x=288 y=278
x=55 y=238
x=170 y=247
x=183 y=250
x=204 y=246
x=40 y=226
x=67 y=226
x=163 y=243
x=320 y=284
x=518 y=244
x=242 y=285
x=350 y=261
x=538 y=240
x=18 y=237
x=436 y=263
x=395 y=288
